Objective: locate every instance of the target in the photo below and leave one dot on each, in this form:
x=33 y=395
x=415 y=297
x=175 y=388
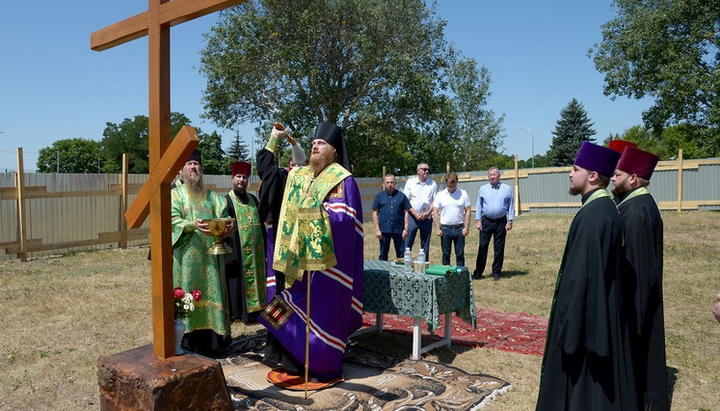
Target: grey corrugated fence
x=77 y=212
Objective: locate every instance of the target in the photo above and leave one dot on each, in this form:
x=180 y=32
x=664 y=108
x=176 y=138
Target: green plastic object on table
x=445 y=270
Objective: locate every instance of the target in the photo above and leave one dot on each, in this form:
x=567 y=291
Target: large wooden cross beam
x=155 y=23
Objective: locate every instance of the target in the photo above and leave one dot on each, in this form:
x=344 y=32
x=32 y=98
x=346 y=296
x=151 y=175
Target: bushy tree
x=477 y=131
x=668 y=50
x=377 y=68
x=696 y=142
x=131 y=137
x=571 y=130
x=72 y=155
x=214 y=160
x=541 y=160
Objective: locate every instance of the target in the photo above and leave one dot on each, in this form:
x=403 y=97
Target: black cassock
x=587 y=363
x=642 y=269
x=234 y=270
x=273 y=185
x=274 y=179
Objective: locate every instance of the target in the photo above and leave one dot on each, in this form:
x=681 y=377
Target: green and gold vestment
x=193 y=268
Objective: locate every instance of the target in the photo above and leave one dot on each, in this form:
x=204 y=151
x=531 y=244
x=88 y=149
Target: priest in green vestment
x=245 y=267
x=208 y=327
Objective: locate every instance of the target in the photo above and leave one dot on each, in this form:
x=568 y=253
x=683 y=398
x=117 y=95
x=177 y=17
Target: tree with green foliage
x=377 y=68
x=72 y=155
x=541 y=160
x=214 y=161
x=477 y=131
x=695 y=141
x=236 y=152
x=571 y=130
x=131 y=137
x=668 y=50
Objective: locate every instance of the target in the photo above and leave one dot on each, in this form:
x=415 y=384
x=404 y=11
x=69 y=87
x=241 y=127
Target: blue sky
x=54 y=87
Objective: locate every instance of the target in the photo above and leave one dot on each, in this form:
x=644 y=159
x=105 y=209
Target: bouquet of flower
x=185 y=302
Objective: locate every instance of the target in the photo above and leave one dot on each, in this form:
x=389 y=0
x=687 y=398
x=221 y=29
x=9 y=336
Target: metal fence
x=77 y=212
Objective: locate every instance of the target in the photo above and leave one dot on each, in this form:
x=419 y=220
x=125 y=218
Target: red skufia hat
x=240 y=167
x=619 y=145
x=638 y=162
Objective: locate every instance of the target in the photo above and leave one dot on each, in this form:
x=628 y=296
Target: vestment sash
x=251 y=247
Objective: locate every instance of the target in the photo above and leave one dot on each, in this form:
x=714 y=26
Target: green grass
x=59 y=314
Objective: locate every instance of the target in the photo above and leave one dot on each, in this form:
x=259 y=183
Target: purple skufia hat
x=597 y=158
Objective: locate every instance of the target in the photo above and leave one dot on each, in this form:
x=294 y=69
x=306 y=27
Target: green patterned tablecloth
x=387 y=289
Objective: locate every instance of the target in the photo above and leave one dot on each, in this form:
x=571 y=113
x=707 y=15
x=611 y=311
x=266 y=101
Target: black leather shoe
x=478 y=276
x=496 y=278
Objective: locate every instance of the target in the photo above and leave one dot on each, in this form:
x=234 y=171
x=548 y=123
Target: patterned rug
x=373 y=381
x=515 y=332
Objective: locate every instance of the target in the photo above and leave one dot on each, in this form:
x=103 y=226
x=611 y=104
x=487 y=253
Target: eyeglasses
x=424 y=169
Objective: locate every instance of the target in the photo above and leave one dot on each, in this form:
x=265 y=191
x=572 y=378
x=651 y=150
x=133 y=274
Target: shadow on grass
x=400 y=345
x=507 y=274
x=672 y=375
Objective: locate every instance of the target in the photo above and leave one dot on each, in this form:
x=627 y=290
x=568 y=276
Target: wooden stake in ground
x=155 y=23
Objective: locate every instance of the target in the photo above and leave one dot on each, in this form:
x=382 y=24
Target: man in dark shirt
x=390 y=215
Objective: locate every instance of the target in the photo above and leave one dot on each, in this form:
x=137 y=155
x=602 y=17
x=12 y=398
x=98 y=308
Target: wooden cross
x=155 y=23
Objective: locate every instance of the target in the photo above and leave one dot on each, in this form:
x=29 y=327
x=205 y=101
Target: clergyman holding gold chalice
x=195 y=211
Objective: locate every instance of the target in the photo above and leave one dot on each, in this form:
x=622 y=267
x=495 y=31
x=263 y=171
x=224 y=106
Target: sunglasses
x=424 y=169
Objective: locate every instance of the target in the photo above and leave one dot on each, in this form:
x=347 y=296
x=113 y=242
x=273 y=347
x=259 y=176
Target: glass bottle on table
x=421 y=261
x=407 y=261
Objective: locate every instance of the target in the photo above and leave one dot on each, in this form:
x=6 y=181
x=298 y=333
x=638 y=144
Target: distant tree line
x=79 y=155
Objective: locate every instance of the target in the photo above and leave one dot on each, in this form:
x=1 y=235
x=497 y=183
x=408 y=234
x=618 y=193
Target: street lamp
x=532 y=144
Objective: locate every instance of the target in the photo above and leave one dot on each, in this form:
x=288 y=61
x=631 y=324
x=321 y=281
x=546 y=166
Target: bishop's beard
x=319 y=161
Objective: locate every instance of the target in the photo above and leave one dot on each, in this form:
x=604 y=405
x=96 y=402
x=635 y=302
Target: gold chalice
x=218 y=227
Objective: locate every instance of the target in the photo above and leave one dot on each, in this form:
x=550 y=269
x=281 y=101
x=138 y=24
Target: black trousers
x=491 y=228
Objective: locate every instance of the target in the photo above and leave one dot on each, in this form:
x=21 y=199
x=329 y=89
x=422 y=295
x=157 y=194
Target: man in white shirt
x=452 y=219
x=421 y=192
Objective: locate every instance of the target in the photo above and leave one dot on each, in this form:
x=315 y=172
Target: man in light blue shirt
x=493 y=218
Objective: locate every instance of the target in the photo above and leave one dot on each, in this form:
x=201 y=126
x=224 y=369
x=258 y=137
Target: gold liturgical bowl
x=217 y=227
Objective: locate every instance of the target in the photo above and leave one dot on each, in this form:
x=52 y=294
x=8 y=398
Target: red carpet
x=514 y=332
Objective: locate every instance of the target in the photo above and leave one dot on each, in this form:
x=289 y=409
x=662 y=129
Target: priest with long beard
x=321 y=209
x=208 y=327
